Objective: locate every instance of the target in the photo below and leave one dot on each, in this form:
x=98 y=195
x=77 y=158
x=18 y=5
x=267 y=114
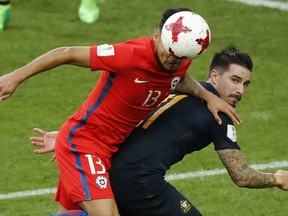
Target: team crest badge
x=185 y=206
x=174 y=82
x=102 y=182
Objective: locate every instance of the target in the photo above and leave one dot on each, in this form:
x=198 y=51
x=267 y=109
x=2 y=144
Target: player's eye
x=246 y=84
x=235 y=81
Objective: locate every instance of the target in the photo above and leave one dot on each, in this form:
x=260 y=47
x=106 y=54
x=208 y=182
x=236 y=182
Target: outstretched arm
x=79 y=56
x=215 y=104
x=245 y=176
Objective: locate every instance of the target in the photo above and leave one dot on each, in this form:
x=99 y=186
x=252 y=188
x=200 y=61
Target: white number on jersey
x=152 y=98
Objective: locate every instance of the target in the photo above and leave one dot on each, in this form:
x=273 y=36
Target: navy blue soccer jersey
x=180 y=125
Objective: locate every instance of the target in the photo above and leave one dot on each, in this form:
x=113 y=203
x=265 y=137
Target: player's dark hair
x=230 y=55
x=169 y=12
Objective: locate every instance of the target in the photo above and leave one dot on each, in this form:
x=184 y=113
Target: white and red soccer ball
x=185 y=35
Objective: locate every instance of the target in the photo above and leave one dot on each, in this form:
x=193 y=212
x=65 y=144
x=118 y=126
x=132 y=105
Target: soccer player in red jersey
x=136 y=76
x=181 y=125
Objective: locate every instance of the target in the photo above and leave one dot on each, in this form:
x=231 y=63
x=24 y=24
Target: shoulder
x=224 y=135
x=142 y=43
x=141 y=48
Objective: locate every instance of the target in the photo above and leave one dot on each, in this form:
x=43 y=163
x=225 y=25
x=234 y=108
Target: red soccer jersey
x=130 y=86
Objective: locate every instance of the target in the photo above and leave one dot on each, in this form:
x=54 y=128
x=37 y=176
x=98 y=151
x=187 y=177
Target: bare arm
x=79 y=56
x=215 y=104
x=245 y=176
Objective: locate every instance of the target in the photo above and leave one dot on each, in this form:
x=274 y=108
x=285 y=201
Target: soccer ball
x=185 y=35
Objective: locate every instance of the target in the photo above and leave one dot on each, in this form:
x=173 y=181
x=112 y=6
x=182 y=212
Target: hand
x=283 y=176
x=8 y=85
x=216 y=104
x=46 y=142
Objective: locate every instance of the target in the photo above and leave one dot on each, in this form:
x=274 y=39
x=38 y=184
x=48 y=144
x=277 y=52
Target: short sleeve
x=224 y=136
x=116 y=58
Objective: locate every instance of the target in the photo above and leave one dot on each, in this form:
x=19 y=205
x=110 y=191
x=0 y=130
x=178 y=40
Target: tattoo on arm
x=241 y=173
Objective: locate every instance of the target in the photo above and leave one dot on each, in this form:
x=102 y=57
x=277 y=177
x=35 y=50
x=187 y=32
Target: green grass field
x=46 y=100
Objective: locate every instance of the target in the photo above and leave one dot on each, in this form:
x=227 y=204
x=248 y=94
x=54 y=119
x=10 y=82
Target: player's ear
x=213 y=76
x=156 y=34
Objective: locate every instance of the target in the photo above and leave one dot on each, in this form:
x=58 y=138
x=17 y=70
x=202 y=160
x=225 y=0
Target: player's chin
x=231 y=101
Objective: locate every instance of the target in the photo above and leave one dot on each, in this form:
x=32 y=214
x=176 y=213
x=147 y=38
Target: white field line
x=171 y=177
x=27 y=193
x=271 y=4
x=203 y=173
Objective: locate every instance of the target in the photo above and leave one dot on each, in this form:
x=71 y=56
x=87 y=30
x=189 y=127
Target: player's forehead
x=238 y=71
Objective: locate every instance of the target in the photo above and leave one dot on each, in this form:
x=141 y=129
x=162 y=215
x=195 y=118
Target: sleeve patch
x=231 y=133
x=105 y=50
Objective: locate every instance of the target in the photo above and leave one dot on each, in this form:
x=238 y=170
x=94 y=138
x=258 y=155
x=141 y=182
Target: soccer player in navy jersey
x=180 y=125
x=136 y=76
